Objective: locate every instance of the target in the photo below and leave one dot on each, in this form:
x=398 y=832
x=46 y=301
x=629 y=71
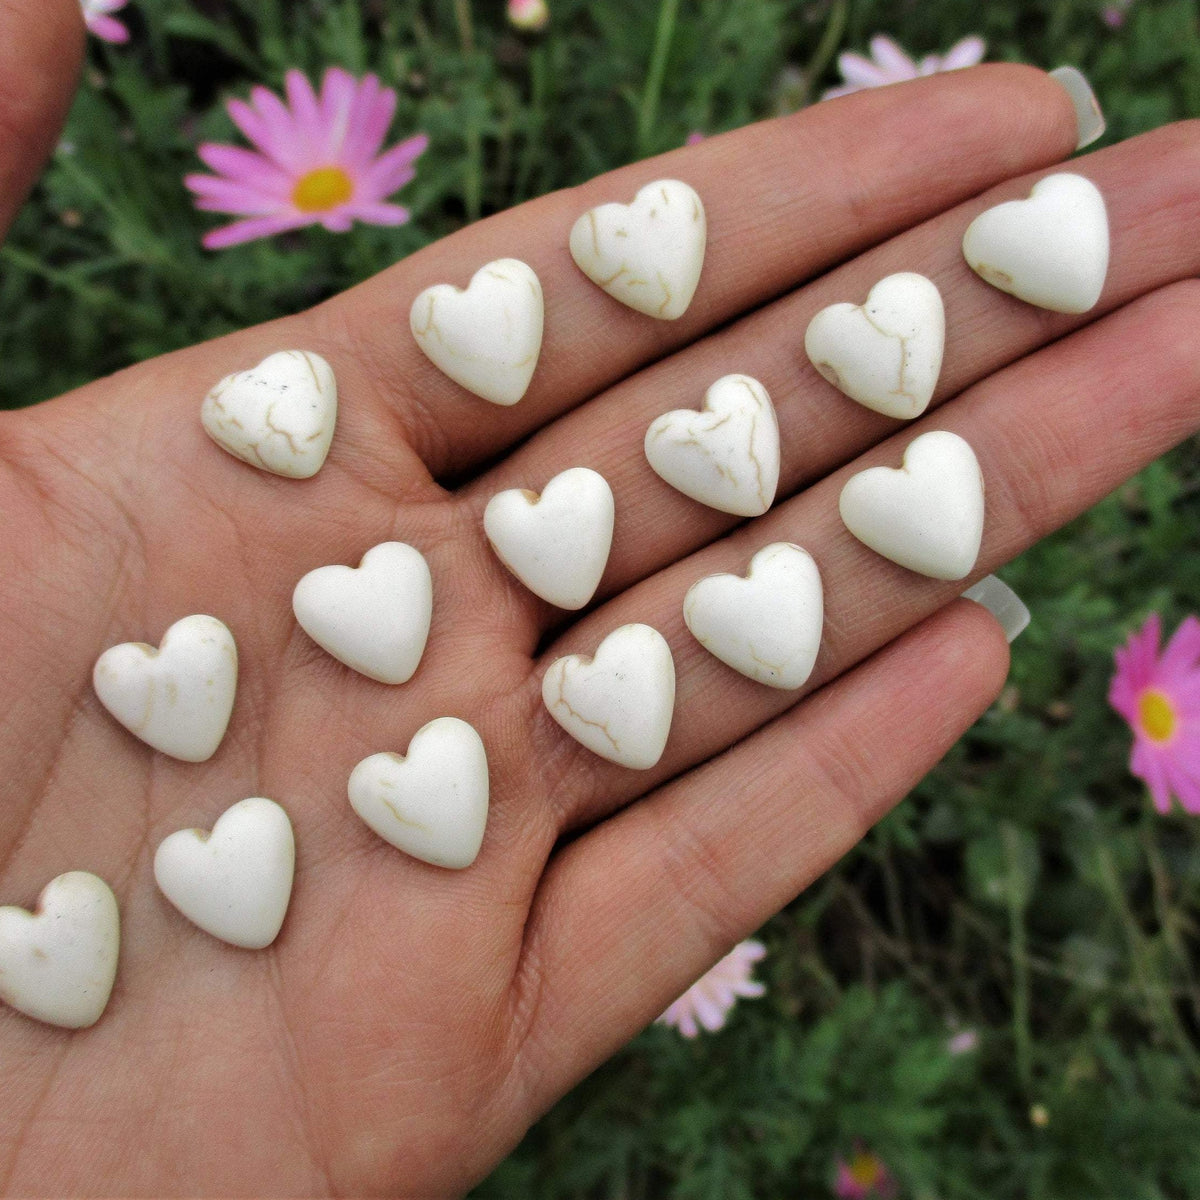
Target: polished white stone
x=373 y=617
x=486 y=337
x=727 y=454
x=648 y=254
x=1050 y=250
x=618 y=703
x=176 y=698
x=278 y=416
x=887 y=352
x=236 y=881
x=433 y=802
x=767 y=625
x=928 y=514
x=557 y=543
x=1003 y=603
x=58 y=963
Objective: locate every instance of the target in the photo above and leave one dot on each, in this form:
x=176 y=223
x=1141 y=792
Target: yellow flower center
x=322 y=189
x=1156 y=715
x=865 y=1170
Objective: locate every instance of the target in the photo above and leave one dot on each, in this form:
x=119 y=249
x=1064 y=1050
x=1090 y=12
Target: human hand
x=410 y=1022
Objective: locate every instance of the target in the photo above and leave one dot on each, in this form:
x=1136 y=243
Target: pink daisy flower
x=863 y=1177
x=96 y=18
x=708 y=1001
x=889 y=64
x=316 y=160
x=1160 y=698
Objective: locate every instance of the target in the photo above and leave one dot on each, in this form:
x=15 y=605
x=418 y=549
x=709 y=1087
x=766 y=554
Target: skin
x=410 y=1023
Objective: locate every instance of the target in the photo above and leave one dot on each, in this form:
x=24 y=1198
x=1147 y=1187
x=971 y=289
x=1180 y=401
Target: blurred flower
x=693 y=138
x=316 y=161
x=529 y=16
x=1160 y=698
x=710 y=998
x=1114 y=14
x=1039 y=1116
x=96 y=18
x=963 y=1042
x=889 y=64
x=862 y=1177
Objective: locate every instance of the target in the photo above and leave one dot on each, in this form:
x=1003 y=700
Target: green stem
x=466 y=32
x=90 y=295
x=831 y=38
x=651 y=93
x=1018 y=950
x=1158 y=1000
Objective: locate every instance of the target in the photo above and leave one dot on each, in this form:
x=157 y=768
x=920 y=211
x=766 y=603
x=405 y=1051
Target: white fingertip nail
x=1088 y=117
x=1002 y=602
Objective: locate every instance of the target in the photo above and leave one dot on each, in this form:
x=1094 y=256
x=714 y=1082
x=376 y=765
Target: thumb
x=41 y=46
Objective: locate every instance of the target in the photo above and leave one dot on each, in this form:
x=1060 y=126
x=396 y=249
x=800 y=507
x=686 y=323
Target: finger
x=784 y=200
x=1150 y=185
x=631 y=914
x=1053 y=434
x=41 y=44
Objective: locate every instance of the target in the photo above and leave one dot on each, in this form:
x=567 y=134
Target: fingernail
x=1002 y=602
x=1089 y=120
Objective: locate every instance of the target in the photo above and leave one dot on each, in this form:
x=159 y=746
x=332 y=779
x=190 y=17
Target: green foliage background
x=1026 y=890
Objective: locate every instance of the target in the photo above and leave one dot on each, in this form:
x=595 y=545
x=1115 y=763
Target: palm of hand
x=410 y=1022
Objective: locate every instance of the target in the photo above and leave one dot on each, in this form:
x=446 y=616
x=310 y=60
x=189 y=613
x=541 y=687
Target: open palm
x=410 y=1022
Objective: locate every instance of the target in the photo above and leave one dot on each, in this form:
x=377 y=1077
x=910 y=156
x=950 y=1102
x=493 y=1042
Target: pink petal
x=227 y=195
x=245 y=166
x=1185 y=787
x=108 y=29
x=861 y=72
x=305 y=111
x=337 y=220
x=1143 y=647
x=966 y=53
x=256 y=227
x=750 y=989
x=711 y=1014
x=896 y=64
x=339 y=92
x=1147 y=764
x=376 y=107
x=1179 y=658
x=379 y=214
x=393 y=169
x=284 y=144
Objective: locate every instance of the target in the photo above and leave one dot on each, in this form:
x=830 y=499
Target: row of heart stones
x=58 y=965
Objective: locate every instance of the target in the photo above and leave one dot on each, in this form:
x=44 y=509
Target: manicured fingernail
x=1002 y=602
x=1088 y=117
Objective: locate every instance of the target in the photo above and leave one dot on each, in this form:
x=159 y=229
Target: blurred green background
x=1026 y=891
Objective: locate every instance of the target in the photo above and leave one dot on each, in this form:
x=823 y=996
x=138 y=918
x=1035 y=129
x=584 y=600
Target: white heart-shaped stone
x=928 y=514
x=648 y=254
x=236 y=881
x=433 y=802
x=373 y=617
x=58 y=963
x=487 y=337
x=618 y=703
x=886 y=353
x=1050 y=250
x=727 y=454
x=767 y=625
x=176 y=698
x=278 y=416
x=557 y=543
